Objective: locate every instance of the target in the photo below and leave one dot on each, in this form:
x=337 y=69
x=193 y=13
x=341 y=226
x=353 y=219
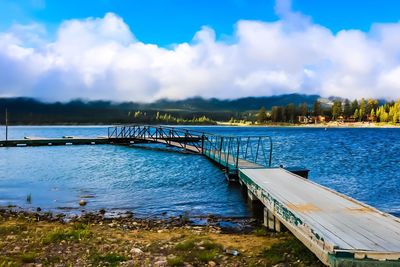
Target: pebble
x=212 y=264
x=136 y=251
x=160 y=263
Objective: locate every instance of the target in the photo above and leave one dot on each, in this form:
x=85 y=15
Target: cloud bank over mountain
x=100 y=58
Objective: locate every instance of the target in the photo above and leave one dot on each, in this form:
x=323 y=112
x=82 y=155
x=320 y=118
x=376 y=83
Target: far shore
x=332 y=124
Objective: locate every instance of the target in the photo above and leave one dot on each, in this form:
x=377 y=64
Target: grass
x=209 y=245
x=186 y=245
x=175 y=261
x=110 y=259
x=206 y=256
x=197 y=249
x=276 y=253
x=89 y=244
x=7 y=261
x=60 y=234
x=260 y=231
x=28 y=257
x=12 y=229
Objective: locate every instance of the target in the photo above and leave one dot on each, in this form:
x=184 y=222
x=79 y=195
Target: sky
x=147 y=50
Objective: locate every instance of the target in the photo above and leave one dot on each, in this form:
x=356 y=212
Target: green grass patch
x=58 y=235
x=80 y=226
x=260 y=231
x=209 y=245
x=28 y=257
x=51 y=260
x=207 y=255
x=110 y=259
x=12 y=229
x=294 y=249
x=186 y=245
x=7 y=261
x=175 y=261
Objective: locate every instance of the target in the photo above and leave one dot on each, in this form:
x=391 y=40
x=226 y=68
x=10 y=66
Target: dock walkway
x=338 y=229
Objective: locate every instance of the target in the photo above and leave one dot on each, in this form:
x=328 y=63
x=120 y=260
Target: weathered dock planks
x=339 y=230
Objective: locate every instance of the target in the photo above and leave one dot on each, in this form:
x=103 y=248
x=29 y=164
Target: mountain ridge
x=24 y=110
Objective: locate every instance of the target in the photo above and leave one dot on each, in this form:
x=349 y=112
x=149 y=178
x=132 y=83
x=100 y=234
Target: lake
x=362 y=163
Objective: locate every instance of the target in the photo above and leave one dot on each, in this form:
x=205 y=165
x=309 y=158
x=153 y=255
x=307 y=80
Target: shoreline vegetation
x=331 y=124
x=285 y=110
x=92 y=239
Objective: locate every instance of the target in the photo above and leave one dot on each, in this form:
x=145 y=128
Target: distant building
x=371 y=118
x=304 y=119
x=350 y=119
x=320 y=119
x=312 y=119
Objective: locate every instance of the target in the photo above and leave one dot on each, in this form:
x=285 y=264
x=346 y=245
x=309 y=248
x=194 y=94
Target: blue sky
x=147 y=50
x=173 y=21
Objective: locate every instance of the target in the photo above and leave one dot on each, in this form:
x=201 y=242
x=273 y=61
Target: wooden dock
x=54 y=141
x=339 y=230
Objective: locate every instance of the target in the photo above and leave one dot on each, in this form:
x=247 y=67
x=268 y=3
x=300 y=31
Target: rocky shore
x=95 y=239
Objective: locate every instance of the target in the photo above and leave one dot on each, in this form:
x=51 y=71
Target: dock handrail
x=230 y=149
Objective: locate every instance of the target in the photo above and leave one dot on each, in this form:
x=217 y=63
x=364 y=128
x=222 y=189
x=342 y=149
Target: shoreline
x=355 y=125
x=39 y=239
x=222 y=123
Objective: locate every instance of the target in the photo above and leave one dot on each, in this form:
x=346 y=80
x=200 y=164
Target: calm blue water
x=361 y=163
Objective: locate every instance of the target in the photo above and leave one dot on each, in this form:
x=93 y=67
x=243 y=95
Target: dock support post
x=271 y=222
x=6 y=124
x=251 y=196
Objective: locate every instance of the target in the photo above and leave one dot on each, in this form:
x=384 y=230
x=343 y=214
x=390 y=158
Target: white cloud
x=100 y=58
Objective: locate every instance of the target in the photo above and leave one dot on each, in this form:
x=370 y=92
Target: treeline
x=367 y=110
x=290 y=113
x=26 y=111
x=342 y=110
x=144 y=117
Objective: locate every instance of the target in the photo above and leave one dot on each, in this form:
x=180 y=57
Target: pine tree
x=304 y=109
x=347 y=108
x=337 y=109
x=290 y=112
x=372 y=113
x=354 y=106
x=362 y=110
x=317 y=108
x=356 y=114
x=262 y=115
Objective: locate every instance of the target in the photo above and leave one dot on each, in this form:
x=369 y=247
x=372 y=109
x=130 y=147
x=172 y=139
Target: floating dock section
x=54 y=141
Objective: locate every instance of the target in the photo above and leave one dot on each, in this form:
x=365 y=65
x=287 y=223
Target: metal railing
x=236 y=151
x=162 y=134
x=231 y=152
